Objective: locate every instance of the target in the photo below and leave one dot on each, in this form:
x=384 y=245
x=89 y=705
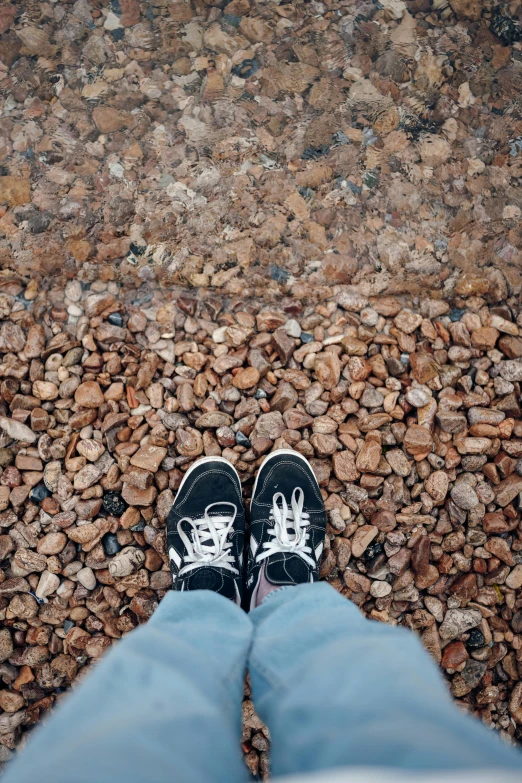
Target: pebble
x=125 y=562
x=458 y=621
x=116 y=319
x=89 y=395
x=363 y=537
x=86 y=578
x=39 y=493
x=114 y=504
x=110 y=544
x=464 y=496
x=47 y=584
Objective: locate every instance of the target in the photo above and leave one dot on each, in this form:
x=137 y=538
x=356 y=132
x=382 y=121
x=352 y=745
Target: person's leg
x=336 y=689
x=164 y=705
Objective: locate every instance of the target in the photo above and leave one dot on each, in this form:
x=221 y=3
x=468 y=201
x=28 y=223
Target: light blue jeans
x=335 y=690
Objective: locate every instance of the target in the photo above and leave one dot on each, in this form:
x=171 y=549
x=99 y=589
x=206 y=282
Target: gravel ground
x=226 y=228
x=410 y=418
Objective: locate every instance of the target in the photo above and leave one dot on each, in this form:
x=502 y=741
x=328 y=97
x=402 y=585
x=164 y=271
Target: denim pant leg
x=163 y=706
x=337 y=690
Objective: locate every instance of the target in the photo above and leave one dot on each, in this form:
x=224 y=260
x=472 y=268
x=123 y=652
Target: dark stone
x=139 y=527
x=516 y=622
x=118 y=34
x=246 y=69
x=370 y=179
x=306 y=337
x=372 y=551
x=278 y=274
x=260 y=394
x=114 y=504
x=314 y=153
x=476 y=639
x=242 y=440
x=306 y=193
x=68 y=624
x=457 y=313
x=116 y=319
x=473 y=672
x=40 y=492
x=507 y=29
x=232 y=20
x=110 y=544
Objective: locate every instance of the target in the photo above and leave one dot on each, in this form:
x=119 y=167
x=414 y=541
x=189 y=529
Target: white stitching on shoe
x=277 y=467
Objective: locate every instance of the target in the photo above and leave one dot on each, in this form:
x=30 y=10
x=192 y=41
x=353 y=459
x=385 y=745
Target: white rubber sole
x=201 y=462
x=277 y=454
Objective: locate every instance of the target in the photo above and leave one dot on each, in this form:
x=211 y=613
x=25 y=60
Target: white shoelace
x=289 y=532
x=209 y=545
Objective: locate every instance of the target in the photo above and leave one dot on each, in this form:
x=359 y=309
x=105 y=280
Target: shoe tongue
x=289 y=569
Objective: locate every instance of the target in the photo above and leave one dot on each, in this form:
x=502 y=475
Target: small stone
x=86 y=578
x=16 y=430
x=89 y=395
x=6 y=645
x=437 y=485
x=407 y=321
x=114 y=504
x=292 y=328
x=109 y=120
x=110 y=544
x=458 y=621
x=344 y=466
x=269 y=425
x=242 y=440
x=417 y=440
x=214 y=419
x=327 y=369
x=284 y=345
x=500 y=548
x=116 y=319
x=126 y=562
x=514 y=578
x=362 y=538
x=417 y=397
x=511 y=370
x=380 y=589
x=246 y=378
x=39 y=493
x=48 y=584
x=485 y=338
x=11 y=701
x=52 y=544
x=464 y=496
x=14 y=191
x=149 y=457
x=476 y=639
x=90 y=449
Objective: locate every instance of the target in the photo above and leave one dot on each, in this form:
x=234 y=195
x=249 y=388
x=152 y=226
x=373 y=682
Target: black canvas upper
x=283 y=473
x=214 y=484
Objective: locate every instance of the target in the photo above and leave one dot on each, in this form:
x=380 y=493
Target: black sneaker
x=206 y=529
x=287 y=525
